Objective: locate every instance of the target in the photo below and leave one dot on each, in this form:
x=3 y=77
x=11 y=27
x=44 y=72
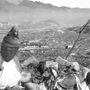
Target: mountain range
x=26 y=11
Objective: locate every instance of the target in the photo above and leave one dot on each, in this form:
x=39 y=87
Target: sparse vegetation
x=55 y=43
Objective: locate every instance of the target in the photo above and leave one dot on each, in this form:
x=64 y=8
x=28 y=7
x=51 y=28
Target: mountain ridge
x=27 y=11
x=26 y=4
x=36 y=4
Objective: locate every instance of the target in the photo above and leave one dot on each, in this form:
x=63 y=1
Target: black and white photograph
x=44 y=44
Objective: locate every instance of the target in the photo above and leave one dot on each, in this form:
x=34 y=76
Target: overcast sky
x=68 y=3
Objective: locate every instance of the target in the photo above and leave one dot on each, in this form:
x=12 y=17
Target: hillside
x=28 y=11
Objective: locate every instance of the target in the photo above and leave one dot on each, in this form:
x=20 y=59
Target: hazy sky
x=68 y=3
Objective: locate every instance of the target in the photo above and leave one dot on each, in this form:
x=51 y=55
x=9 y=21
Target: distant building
x=6 y=24
x=61 y=31
x=29 y=47
x=68 y=46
